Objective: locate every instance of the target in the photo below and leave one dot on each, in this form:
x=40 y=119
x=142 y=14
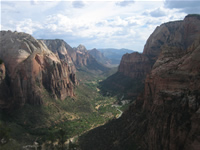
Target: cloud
x=78 y=4
x=157 y=13
x=92 y=23
x=187 y=6
x=27 y=26
x=125 y=3
x=34 y=2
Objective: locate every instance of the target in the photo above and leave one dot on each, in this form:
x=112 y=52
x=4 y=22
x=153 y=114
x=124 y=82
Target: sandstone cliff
x=166 y=116
x=29 y=68
x=135 y=65
x=179 y=34
x=62 y=50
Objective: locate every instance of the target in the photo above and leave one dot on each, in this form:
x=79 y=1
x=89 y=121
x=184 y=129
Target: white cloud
x=92 y=23
x=125 y=3
x=27 y=26
x=188 y=6
x=78 y=4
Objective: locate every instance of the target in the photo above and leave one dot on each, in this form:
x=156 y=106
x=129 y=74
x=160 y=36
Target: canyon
x=50 y=90
x=166 y=113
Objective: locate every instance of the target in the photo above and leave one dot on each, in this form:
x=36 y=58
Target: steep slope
x=166 y=115
x=77 y=57
x=62 y=50
x=100 y=57
x=29 y=67
x=136 y=66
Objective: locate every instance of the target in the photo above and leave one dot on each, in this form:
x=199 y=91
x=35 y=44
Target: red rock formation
x=172 y=91
x=31 y=67
x=135 y=65
x=62 y=50
x=166 y=116
x=179 y=34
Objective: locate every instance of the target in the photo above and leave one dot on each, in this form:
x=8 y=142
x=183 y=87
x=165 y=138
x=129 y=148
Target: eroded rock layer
x=31 y=67
x=166 y=116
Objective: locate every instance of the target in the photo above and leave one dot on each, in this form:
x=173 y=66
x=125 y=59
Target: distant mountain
x=114 y=55
x=99 y=56
x=78 y=59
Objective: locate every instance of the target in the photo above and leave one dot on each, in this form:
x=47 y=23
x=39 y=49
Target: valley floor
x=58 y=123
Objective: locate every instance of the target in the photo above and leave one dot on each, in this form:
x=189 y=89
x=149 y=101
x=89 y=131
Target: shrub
x=1 y=61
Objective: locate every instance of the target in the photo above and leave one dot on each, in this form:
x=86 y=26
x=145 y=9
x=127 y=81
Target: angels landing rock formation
x=166 y=115
x=28 y=67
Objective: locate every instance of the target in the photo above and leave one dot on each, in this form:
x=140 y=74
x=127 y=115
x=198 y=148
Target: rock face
x=76 y=58
x=30 y=67
x=178 y=34
x=82 y=59
x=62 y=50
x=135 y=65
x=100 y=57
x=166 y=116
x=172 y=97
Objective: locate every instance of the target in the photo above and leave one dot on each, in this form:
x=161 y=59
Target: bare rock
x=30 y=68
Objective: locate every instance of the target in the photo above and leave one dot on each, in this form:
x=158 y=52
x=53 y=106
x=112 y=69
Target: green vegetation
x=57 y=121
x=128 y=86
x=1 y=61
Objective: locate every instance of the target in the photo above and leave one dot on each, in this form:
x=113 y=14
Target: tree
x=62 y=136
x=4 y=134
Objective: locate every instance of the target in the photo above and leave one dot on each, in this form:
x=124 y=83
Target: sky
x=94 y=23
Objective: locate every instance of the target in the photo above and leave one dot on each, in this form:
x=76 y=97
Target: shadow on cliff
x=120 y=85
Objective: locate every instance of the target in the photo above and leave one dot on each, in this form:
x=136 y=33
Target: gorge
x=51 y=92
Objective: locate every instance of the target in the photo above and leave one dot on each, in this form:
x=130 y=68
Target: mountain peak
x=81 y=48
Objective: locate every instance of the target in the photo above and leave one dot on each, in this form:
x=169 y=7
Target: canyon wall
x=166 y=115
x=30 y=67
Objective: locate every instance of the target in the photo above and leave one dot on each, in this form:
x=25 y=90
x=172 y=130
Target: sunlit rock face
x=31 y=67
x=62 y=50
x=179 y=34
x=166 y=115
x=76 y=58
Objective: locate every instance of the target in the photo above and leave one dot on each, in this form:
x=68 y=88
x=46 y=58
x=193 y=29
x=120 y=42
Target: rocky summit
x=28 y=68
x=166 y=115
x=100 y=57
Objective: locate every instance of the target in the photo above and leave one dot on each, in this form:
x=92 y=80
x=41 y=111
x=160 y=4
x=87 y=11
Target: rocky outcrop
x=166 y=116
x=62 y=50
x=31 y=67
x=178 y=34
x=172 y=97
x=100 y=57
x=135 y=65
x=82 y=59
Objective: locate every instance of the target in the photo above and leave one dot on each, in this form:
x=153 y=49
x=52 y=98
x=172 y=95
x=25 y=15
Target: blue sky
x=94 y=23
